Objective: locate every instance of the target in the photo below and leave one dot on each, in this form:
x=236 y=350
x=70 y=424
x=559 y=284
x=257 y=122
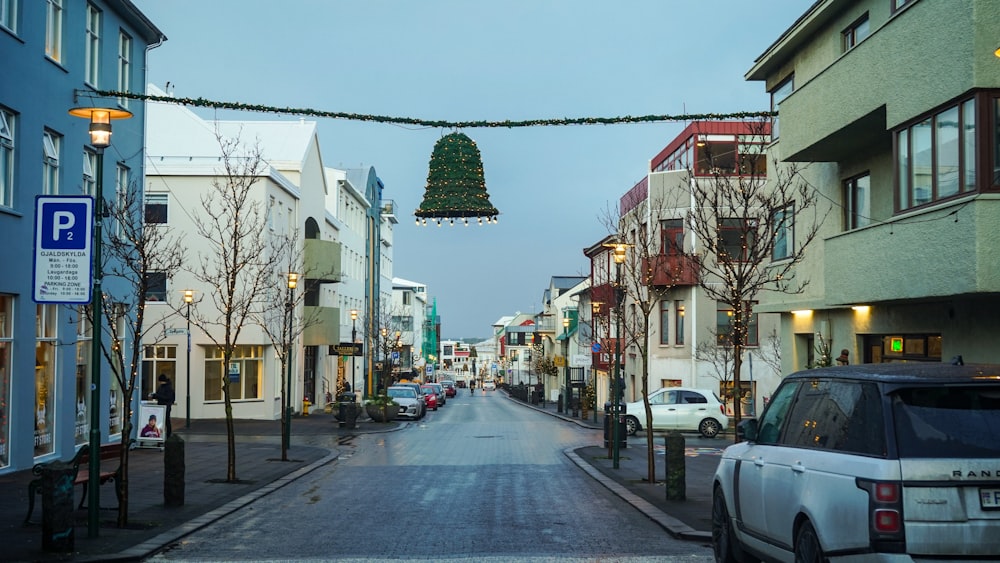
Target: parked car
x=410 y=405
x=879 y=462
x=416 y=389
x=680 y=408
x=442 y=398
x=430 y=396
x=449 y=388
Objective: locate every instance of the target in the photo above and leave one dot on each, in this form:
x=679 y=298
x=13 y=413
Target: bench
x=107 y=452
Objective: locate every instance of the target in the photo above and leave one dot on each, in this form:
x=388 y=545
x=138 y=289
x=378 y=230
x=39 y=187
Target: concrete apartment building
x=55 y=56
x=895 y=105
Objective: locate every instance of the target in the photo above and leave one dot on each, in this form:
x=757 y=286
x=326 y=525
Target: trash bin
x=347 y=410
x=622 y=430
x=57 y=507
x=534 y=397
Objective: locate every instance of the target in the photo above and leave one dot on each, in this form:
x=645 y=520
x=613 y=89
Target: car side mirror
x=747 y=430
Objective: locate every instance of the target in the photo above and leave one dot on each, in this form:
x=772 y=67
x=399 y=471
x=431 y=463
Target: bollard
x=676 y=478
x=173 y=471
x=57 y=507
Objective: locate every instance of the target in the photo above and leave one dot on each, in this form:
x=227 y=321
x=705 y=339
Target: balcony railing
x=671 y=270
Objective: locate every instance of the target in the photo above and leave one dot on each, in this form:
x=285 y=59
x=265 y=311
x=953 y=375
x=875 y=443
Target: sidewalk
x=260 y=471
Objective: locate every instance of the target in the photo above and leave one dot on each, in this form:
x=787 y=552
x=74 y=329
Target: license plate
x=989 y=499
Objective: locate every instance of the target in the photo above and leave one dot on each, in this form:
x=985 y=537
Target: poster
x=152 y=421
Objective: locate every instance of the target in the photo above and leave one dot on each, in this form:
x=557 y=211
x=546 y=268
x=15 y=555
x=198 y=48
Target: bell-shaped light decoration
x=455 y=183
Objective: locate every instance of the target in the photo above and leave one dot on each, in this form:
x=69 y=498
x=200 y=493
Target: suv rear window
x=952 y=422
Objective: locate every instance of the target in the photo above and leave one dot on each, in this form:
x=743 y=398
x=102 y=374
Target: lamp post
x=354 y=340
x=188 y=298
x=100 y=139
x=595 y=308
x=565 y=323
x=616 y=406
x=293 y=280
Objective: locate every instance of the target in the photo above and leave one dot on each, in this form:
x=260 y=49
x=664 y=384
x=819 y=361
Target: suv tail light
x=885 y=515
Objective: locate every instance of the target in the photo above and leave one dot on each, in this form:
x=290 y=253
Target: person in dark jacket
x=165 y=396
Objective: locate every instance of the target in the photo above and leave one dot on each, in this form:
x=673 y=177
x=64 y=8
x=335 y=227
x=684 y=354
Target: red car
x=430 y=396
x=449 y=388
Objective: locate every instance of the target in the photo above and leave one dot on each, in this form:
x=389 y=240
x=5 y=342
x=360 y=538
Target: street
x=483 y=478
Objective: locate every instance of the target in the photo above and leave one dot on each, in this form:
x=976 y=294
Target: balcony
x=671 y=270
x=322 y=326
x=919 y=259
x=321 y=260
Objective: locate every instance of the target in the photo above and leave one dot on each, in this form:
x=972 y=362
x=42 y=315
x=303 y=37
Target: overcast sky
x=460 y=60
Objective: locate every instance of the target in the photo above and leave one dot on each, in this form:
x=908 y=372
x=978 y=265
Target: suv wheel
x=631 y=425
x=726 y=547
x=807 y=549
x=710 y=428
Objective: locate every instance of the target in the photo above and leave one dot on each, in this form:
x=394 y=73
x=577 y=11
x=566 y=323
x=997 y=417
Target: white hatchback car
x=680 y=408
x=872 y=462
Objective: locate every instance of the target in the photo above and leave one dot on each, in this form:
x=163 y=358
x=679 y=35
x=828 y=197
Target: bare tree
x=744 y=217
x=387 y=337
x=653 y=264
x=235 y=269
x=137 y=249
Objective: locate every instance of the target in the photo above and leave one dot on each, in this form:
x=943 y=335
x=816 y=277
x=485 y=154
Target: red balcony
x=672 y=269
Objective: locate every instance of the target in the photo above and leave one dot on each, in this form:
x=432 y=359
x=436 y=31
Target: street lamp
x=595 y=308
x=293 y=280
x=188 y=298
x=565 y=323
x=354 y=340
x=619 y=255
x=100 y=139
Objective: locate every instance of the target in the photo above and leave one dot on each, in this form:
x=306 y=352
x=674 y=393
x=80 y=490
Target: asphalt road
x=481 y=479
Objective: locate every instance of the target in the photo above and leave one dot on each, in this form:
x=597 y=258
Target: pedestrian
x=165 y=396
x=842 y=358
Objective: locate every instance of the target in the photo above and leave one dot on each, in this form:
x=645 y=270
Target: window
x=996 y=143
x=6 y=158
x=672 y=237
x=242 y=375
x=89 y=172
x=6 y=346
x=857 y=202
x=46 y=341
x=678 y=322
x=84 y=340
x=769 y=429
x=50 y=163
x=838 y=416
x=780 y=92
x=855 y=32
x=156 y=286
x=121 y=195
x=935 y=157
x=53 y=29
x=899 y=4
x=735 y=237
x=93 y=45
x=716 y=154
x=783 y=223
x=124 y=66
x=664 y=322
x=156 y=208
x=8 y=19
x=270 y=213
x=724 y=326
x=157 y=360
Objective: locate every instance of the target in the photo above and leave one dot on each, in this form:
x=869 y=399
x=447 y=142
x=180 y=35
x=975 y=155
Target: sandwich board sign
x=63 y=258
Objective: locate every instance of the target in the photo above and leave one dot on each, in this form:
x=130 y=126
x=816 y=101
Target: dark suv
x=873 y=462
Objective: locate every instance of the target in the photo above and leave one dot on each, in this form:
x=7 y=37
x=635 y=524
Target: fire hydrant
x=305 y=406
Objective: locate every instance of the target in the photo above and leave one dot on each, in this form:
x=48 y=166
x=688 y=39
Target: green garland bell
x=456 y=188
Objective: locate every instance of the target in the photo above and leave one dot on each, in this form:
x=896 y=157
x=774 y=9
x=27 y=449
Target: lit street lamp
x=188 y=298
x=566 y=401
x=293 y=280
x=100 y=139
x=354 y=340
x=619 y=256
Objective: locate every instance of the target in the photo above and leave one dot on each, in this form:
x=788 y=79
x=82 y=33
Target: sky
x=458 y=60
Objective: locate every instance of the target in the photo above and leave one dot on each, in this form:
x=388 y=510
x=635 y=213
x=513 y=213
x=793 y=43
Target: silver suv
x=873 y=462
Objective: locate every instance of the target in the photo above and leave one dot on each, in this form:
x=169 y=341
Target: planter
x=387 y=413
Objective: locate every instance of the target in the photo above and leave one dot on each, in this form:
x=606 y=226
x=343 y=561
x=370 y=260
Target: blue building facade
x=56 y=55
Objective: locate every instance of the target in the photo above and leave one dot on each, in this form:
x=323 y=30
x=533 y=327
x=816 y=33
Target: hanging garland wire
x=240 y=106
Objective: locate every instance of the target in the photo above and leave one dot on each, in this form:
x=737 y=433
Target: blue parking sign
x=63 y=271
